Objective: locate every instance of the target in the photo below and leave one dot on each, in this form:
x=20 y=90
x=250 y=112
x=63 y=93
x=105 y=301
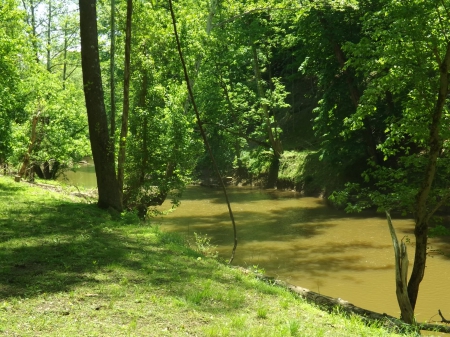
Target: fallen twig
x=442 y=317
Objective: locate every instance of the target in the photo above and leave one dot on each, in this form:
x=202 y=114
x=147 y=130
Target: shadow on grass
x=49 y=246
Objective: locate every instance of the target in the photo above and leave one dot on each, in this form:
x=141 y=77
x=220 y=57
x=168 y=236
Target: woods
x=360 y=88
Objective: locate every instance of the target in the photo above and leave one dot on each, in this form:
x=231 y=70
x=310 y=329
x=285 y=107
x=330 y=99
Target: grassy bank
x=70 y=269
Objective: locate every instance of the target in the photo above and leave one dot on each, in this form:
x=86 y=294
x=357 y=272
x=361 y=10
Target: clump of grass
x=70 y=269
x=261 y=312
x=294 y=327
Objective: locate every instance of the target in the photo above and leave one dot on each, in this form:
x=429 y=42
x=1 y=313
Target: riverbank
x=68 y=268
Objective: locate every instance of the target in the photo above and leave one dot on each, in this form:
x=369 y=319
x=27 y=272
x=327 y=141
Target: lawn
x=68 y=268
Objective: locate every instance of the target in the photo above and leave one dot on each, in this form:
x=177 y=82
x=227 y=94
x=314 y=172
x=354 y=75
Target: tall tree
x=404 y=58
x=109 y=194
x=112 y=67
x=126 y=99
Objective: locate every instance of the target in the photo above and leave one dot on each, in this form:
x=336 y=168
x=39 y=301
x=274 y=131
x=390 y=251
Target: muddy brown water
x=304 y=242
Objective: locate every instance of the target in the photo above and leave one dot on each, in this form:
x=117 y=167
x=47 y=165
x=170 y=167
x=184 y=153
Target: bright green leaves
x=397 y=61
x=14 y=58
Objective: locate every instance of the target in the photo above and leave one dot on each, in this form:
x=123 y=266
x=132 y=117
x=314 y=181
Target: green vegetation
x=361 y=86
x=69 y=269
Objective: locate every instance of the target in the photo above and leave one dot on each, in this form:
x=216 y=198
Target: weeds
x=202 y=244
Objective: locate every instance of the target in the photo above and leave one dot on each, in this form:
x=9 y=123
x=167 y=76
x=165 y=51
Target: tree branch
x=443 y=320
x=202 y=131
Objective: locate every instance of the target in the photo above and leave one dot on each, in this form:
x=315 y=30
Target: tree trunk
x=401 y=274
x=273 y=172
x=126 y=99
x=26 y=159
x=423 y=214
x=37 y=169
x=101 y=145
x=112 y=83
x=49 y=31
x=46 y=170
x=66 y=45
x=274 y=141
x=202 y=131
x=144 y=148
x=55 y=168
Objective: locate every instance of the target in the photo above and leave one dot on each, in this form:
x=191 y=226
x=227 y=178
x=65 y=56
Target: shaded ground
x=70 y=269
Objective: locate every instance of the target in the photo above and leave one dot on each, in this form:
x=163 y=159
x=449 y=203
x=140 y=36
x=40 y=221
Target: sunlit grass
x=70 y=269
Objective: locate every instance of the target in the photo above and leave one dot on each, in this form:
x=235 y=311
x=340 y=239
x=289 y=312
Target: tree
x=404 y=58
x=101 y=144
x=161 y=145
x=238 y=91
x=15 y=57
x=126 y=99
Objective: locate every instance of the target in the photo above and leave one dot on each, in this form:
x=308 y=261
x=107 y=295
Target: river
x=82 y=176
x=306 y=243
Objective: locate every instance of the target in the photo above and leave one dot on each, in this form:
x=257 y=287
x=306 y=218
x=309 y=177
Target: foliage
x=35 y=91
x=62 y=125
x=14 y=63
x=401 y=94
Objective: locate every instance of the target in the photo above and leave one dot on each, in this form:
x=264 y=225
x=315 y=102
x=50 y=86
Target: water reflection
x=302 y=241
x=83 y=176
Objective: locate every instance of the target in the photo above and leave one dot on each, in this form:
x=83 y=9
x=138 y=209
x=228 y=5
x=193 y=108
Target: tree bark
x=101 y=145
x=401 y=273
x=66 y=45
x=126 y=99
x=423 y=214
x=112 y=83
x=26 y=159
x=49 y=34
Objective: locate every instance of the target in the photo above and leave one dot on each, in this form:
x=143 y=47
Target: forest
x=344 y=99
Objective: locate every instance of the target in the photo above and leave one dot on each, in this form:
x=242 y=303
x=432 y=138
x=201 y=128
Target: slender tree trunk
x=33 y=30
x=202 y=131
x=199 y=57
x=102 y=148
x=144 y=148
x=66 y=44
x=423 y=213
x=112 y=83
x=49 y=31
x=126 y=98
x=274 y=141
x=26 y=159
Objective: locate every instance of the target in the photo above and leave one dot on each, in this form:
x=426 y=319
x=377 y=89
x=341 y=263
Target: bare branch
x=442 y=317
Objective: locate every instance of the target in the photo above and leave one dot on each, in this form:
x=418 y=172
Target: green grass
x=70 y=269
